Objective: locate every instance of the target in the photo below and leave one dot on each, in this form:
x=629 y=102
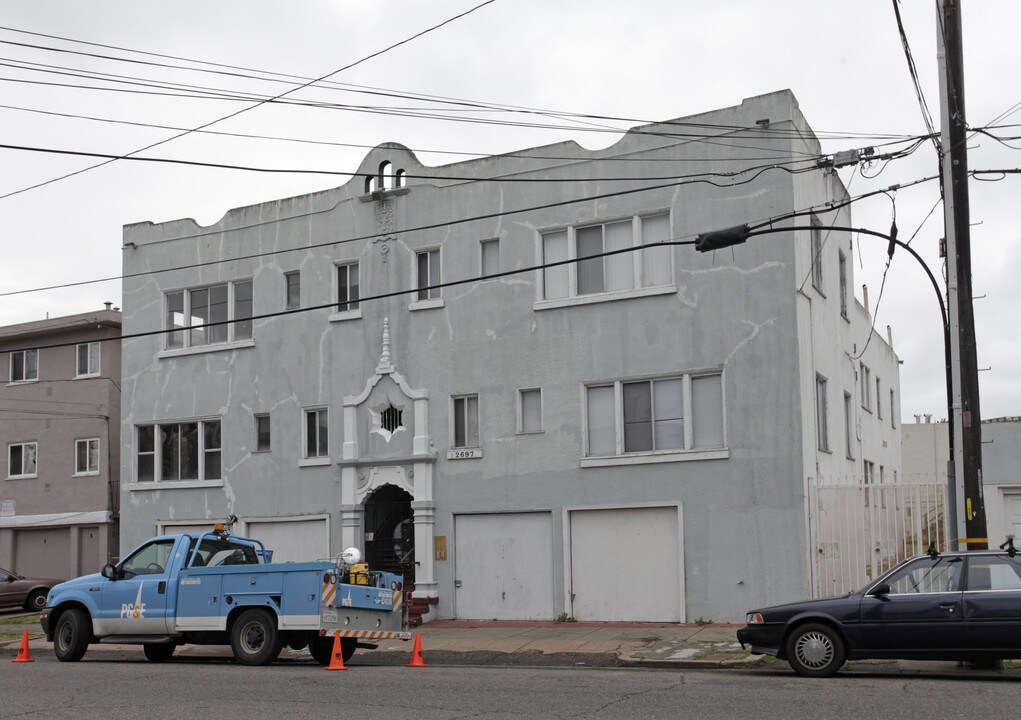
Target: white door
x=1012 y=515
x=626 y=564
x=292 y=540
x=503 y=566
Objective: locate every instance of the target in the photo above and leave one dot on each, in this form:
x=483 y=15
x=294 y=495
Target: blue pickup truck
x=218 y=589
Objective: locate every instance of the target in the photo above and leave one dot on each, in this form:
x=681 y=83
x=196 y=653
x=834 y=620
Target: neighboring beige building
x=926 y=452
x=60 y=444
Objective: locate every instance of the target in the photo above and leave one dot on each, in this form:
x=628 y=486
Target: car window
x=994 y=573
x=150 y=559
x=927 y=575
x=218 y=551
x=4 y=576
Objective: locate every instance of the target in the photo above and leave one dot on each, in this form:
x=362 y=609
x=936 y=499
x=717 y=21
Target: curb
x=729 y=664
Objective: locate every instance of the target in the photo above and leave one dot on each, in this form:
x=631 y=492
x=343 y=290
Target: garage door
x=43 y=553
x=503 y=566
x=626 y=564
x=292 y=540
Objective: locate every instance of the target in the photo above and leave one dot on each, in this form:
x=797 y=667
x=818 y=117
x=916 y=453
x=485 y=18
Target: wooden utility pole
x=966 y=459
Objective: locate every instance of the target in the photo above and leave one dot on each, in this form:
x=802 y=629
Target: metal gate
x=390 y=532
x=859 y=532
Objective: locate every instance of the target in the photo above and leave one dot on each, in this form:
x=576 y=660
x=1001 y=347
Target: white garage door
x=626 y=564
x=504 y=566
x=293 y=540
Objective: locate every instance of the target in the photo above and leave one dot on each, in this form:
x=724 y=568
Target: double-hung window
x=347 y=287
x=866 y=387
x=211 y=315
x=22 y=461
x=170 y=452
x=316 y=433
x=817 y=243
x=849 y=434
x=611 y=257
x=86 y=457
x=662 y=415
x=88 y=360
x=428 y=275
x=292 y=290
x=24 y=366
x=821 y=410
x=466 y=421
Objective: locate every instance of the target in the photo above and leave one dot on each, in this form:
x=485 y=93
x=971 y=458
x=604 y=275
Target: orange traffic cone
x=416 y=654
x=337 y=657
x=23 y=650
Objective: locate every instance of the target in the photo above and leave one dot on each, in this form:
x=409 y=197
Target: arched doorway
x=390 y=532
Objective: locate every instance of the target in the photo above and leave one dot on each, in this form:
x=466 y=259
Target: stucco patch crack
x=755 y=329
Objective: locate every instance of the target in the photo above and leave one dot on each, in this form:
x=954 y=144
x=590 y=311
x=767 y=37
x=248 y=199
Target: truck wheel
x=255 y=640
x=158 y=652
x=815 y=650
x=322 y=649
x=71 y=636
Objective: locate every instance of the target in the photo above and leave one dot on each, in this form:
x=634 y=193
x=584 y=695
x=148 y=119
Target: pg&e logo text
x=134 y=610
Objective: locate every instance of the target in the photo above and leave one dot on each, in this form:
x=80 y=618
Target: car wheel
x=35 y=601
x=255 y=640
x=322 y=649
x=815 y=650
x=71 y=635
x=158 y=652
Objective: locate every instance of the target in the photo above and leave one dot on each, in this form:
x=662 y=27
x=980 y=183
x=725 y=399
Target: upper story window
x=316 y=434
x=843 y=283
x=24 y=366
x=620 y=272
x=86 y=457
x=88 y=360
x=216 y=314
x=866 y=387
x=178 y=451
x=849 y=426
x=466 y=421
x=879 y=400
x=262 y=433
x=530 y=410
x=490 y=258
x=428 y=274
x=892 y=410
x=347 y=287
x=22 y=460
x=292 y=291
x=821 y=412
x=817 y=242
x=677 y=414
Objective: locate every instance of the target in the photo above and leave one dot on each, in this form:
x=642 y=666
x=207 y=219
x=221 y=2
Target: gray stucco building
x=60 y=439
x=626 y=436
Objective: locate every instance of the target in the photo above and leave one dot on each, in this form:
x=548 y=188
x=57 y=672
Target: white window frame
x=434 y=297
x=465 y=399
x=817 y=245
x=26 y=378
x=849 y=424
x=868 y=472
x=639 y=286
x=494 y=248
x=320 y=458
x=348 y=307
x=879 y=399
x=822 y=413
x=79 y=471
x=269 y=432
x=157 y=453
x=893 y=412
x=10 y=465
x=234 y=328
x=688 y=453
x=843 y=284
x=90 y=371
x=866 y=387
x=288 y=276
x=521 y=411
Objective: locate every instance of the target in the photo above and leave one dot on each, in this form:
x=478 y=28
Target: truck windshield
x=221 y=551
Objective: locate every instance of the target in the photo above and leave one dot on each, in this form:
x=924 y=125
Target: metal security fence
x=860 y=531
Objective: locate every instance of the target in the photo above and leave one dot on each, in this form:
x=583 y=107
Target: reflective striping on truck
x=368 y=634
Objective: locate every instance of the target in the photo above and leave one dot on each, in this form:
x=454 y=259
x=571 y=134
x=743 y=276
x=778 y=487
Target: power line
x=260 y=103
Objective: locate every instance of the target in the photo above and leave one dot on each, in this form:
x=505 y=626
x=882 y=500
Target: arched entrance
x=390 y=532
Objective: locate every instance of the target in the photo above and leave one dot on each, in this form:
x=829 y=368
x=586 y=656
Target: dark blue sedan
x=950 y=606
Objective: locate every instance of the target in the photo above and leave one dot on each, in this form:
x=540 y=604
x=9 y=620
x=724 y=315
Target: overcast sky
x=645 y=59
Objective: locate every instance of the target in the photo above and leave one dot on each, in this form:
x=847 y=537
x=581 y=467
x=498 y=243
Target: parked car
x=949 y=606
x=26 y=591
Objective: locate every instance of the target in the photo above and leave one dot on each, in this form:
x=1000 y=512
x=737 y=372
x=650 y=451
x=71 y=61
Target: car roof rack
x=1009 y=546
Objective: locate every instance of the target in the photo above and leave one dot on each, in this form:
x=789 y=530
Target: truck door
x=136 y=602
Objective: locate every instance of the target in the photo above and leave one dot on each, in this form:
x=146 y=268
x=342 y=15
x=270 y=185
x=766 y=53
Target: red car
x=28 y=592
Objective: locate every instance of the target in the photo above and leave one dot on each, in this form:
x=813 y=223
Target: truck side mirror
x=109 y=572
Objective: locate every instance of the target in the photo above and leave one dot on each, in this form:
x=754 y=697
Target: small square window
x=24 y=366
x=22 y=460
x=88 y=360
x=86 y=457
